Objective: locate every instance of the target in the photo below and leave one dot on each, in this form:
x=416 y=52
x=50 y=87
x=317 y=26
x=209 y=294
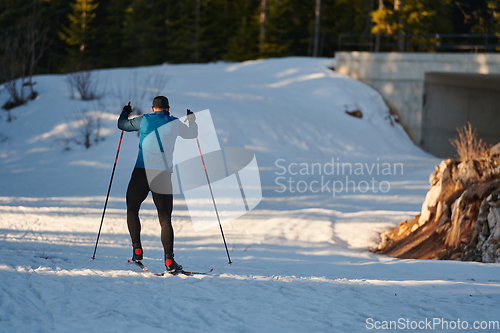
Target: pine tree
x=243 y=43
x=146 y=31
x=494 y=26
x=24 y=40
x=290 y=28
x=200 y=30
x=317 y=19
x=183 y=39
x=412 y=17
x=384 y=21
x=481 y=16
x=343 y=16
x=54 y=15
x=107 y=47
x=80 y=31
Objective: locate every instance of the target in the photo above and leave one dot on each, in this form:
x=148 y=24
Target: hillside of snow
x=330 y=184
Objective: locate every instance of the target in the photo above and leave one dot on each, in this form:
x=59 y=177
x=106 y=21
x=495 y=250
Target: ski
x=183 y=272
x=139 y=264
x=144 y=268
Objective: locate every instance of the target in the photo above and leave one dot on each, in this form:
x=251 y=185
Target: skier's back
x=157 y=130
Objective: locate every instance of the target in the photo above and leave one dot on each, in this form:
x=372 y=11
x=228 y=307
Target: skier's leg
x=137 y=192
x=164 y=206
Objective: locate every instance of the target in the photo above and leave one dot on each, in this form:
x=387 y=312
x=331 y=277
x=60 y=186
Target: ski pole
x=213 y=200
x=107 y=196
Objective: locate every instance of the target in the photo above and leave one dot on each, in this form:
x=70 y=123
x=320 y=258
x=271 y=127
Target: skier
x=139 y=188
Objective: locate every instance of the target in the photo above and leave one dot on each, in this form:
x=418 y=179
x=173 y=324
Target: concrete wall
x=453 y=99
x=399 y=77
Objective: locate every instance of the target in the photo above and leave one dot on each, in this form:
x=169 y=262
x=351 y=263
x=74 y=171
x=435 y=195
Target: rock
x=460 y=217
x=441 y=185
x=468 y=173
x=487 y=236
x=495 y=150
x=355 y=113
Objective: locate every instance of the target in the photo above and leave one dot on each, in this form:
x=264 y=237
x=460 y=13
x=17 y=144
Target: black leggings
x=138 y=190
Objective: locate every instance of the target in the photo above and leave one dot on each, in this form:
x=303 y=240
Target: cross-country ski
x=138 y=264
x=183 y=272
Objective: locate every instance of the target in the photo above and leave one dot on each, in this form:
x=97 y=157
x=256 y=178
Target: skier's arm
x=128 y=125
x=188 y=132
x=191 y=131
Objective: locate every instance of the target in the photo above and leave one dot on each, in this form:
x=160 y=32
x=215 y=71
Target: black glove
x=190 y=116
x=127 y=108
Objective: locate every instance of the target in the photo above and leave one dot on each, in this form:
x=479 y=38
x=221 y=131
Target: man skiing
x=164 y=130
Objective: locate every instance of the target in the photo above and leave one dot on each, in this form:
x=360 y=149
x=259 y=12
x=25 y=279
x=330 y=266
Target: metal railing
x=418 y=43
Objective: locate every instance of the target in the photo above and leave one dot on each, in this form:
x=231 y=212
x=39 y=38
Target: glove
x=127 y=108
x=190 y=116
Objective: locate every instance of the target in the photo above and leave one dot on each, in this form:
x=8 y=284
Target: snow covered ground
x=331 y=183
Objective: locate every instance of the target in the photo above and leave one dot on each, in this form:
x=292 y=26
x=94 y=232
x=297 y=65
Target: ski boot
x=137 y=256
x=170 y=264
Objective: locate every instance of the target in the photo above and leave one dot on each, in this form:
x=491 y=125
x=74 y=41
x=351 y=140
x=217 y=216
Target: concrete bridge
x=433 y=93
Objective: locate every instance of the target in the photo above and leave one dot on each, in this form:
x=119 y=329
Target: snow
x=301 y=259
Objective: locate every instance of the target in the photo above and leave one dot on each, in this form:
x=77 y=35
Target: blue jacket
x=157 y=134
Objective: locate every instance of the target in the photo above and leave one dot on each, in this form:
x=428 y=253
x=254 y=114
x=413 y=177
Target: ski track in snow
x=276 y=283
x=301 y=260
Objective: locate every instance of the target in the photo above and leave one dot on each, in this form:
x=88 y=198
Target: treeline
x=54 y=36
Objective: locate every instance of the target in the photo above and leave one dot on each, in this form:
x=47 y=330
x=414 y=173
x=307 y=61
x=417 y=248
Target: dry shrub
x=88 y=130
x=468 y=146
x=84 y=130
x=85 y=83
